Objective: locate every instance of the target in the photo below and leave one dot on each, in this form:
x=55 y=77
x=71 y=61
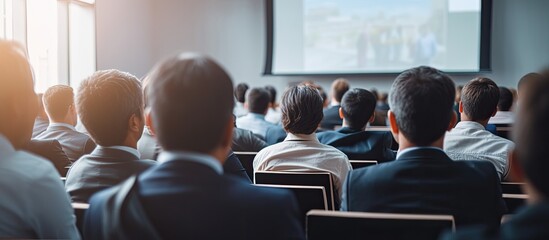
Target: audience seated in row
x=469 y=140
x=301 y=109
x=331 y=117
x=34 y=203
x=504 y=115
x=257 y=104
x=61 y=110
x=187 y=196
x=423 y=179
x=357 y=109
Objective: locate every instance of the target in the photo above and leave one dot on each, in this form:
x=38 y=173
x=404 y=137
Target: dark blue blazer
x=189 y=200
x=331 y=118
x=360 y=145
x=275 y=134
x=427 y=181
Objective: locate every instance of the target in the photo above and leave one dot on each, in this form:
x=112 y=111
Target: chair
x=308 y=197
x=512 y=187
x=514 y=201
x=323 y=179
x=365 y=225
x=247 y=160
x=79 y=211
x=362 y=163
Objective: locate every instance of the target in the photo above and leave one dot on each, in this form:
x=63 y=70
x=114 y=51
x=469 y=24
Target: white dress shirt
x=204 y=159
x=239 y=110
x=254 y=122
x=34 y=203
x=471 y=141
x=299 y=152
x=502 y=117
x=71 y=127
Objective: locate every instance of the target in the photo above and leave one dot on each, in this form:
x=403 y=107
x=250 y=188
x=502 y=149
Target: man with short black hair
x=110 y=104
x=423 y=179
x=240 y=96
x=59 y=105
x=301 y=108
x=504 y=115
x=470 y=140
x=331 y=114
x=257 y=103
x=357 y=109
x=187 y=196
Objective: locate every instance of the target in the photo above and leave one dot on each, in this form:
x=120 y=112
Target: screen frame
x=485 y=58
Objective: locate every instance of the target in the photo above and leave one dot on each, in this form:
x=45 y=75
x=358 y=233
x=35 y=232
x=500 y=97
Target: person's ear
x=149 y=122
x=135 y=123
x=460 y=107
x=373 y=117
x=453 y=121
x=393 y=124
x=516 y=173
x=341 y=113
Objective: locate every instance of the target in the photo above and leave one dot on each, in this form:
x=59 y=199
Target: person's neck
x=335 y=102
x=404 y=143
x=345 y=125
x=464 y=118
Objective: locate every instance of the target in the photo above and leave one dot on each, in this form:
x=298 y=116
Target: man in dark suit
x=59 y=105
x=357 y=109
x=110 y=104
x=52 y=151
x=531 y=166
x=423 y=179
x=187 y=196
x=331 y=114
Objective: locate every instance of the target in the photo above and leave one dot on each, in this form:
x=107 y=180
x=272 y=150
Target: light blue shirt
x=254 y=122
x=204 y=159
x=34 y=203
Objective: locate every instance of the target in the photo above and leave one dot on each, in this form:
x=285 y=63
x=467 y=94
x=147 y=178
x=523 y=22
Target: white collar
x=6 y=148
x=133 y=151
x=201 y=158
x=399 y=153
x=62 y=125
x=470 y=124
x=301 y=137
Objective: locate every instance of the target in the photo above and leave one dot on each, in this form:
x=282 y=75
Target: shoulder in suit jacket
x=103 y=168
x=189 y=200
x=233 y=166
x=331 y=118
x=427 y=181
x=274 y=135
x=246 y=141
x=360 y=145
x=75 y=144
x=40 y=125
x=51 y=150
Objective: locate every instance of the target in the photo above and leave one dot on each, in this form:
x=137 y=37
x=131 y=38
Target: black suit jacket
x=360 y=145
x=103 y=168
x=51 y=150
x=428 y=181
x=75 y=144
x=189 y=200
x=331 y=118
x=246 y=141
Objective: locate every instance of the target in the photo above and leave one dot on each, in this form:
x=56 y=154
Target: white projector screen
x=375 y=36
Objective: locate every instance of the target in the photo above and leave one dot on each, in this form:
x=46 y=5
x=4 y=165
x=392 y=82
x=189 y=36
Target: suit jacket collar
x=347 y=130
x=113 y=154
x=423 y=153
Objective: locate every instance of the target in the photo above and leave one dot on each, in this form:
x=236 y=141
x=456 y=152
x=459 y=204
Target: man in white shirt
x=257 y=103
x=504 y=115
x=469 y=140
x=34 y=203
x=301 y=151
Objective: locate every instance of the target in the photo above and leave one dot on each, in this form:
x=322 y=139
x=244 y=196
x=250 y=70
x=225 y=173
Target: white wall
x=134 y=34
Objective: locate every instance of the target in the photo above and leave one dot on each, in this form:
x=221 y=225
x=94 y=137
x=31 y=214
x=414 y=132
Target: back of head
x=526 y=80
x=530 y=135
x=258 y=100
x=301 y=109
x=358 y=106
x=272 y=92
x=505 y=99
x=422 y=100
x=57 y=100
x=105 y=103
x=18 y=103
x=339 y=88
x=383 y=97
x=240 y=92
x=480 y=98
x=182 y=123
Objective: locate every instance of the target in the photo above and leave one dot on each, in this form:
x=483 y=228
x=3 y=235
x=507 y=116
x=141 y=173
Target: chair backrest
x=512 y=187
x=322 y=179
x=504 y=130
x=362 y=163
x=366 y=225
x=308 y=197
x=79 y=211
x=514 y=201
x=247 y=160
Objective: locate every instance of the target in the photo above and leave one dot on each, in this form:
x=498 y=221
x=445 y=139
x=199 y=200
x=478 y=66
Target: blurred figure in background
x=273 y=114
x=240 y=96
x=41 y=122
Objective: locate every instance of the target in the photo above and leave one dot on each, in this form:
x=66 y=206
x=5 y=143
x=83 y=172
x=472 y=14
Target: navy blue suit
x=331 y=118
x=190 y=200
x=360 y=145
x=427 y=181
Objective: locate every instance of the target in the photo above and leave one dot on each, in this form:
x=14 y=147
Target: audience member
x=59 y=105
x=246 y=141
x=504 y=114
x=357 y=109
x=456 y=102
x=382 y=104
x=110 y=104
x=273 y=114
x=257 y=103
x=530 y=134
x=240 y=95
x=301 y=108
x=187 y=196
x=34 y=203
x=423 y=179
x=52 y=151
x=331 y=114
x=41 y=122
x=469 y=140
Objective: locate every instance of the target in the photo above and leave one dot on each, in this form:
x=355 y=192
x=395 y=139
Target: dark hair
x=301 y=109
x=422 y=100
x=180 y=122
x=358 y=105
x=505 y=99
x=383 y=97
x=105 y=102
x=530 y=135
x=240 y=92
x=258 y=100
x=57 y=100
x=339 y=88
x=319 y=88
x=480 y=98
x=272 y=92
